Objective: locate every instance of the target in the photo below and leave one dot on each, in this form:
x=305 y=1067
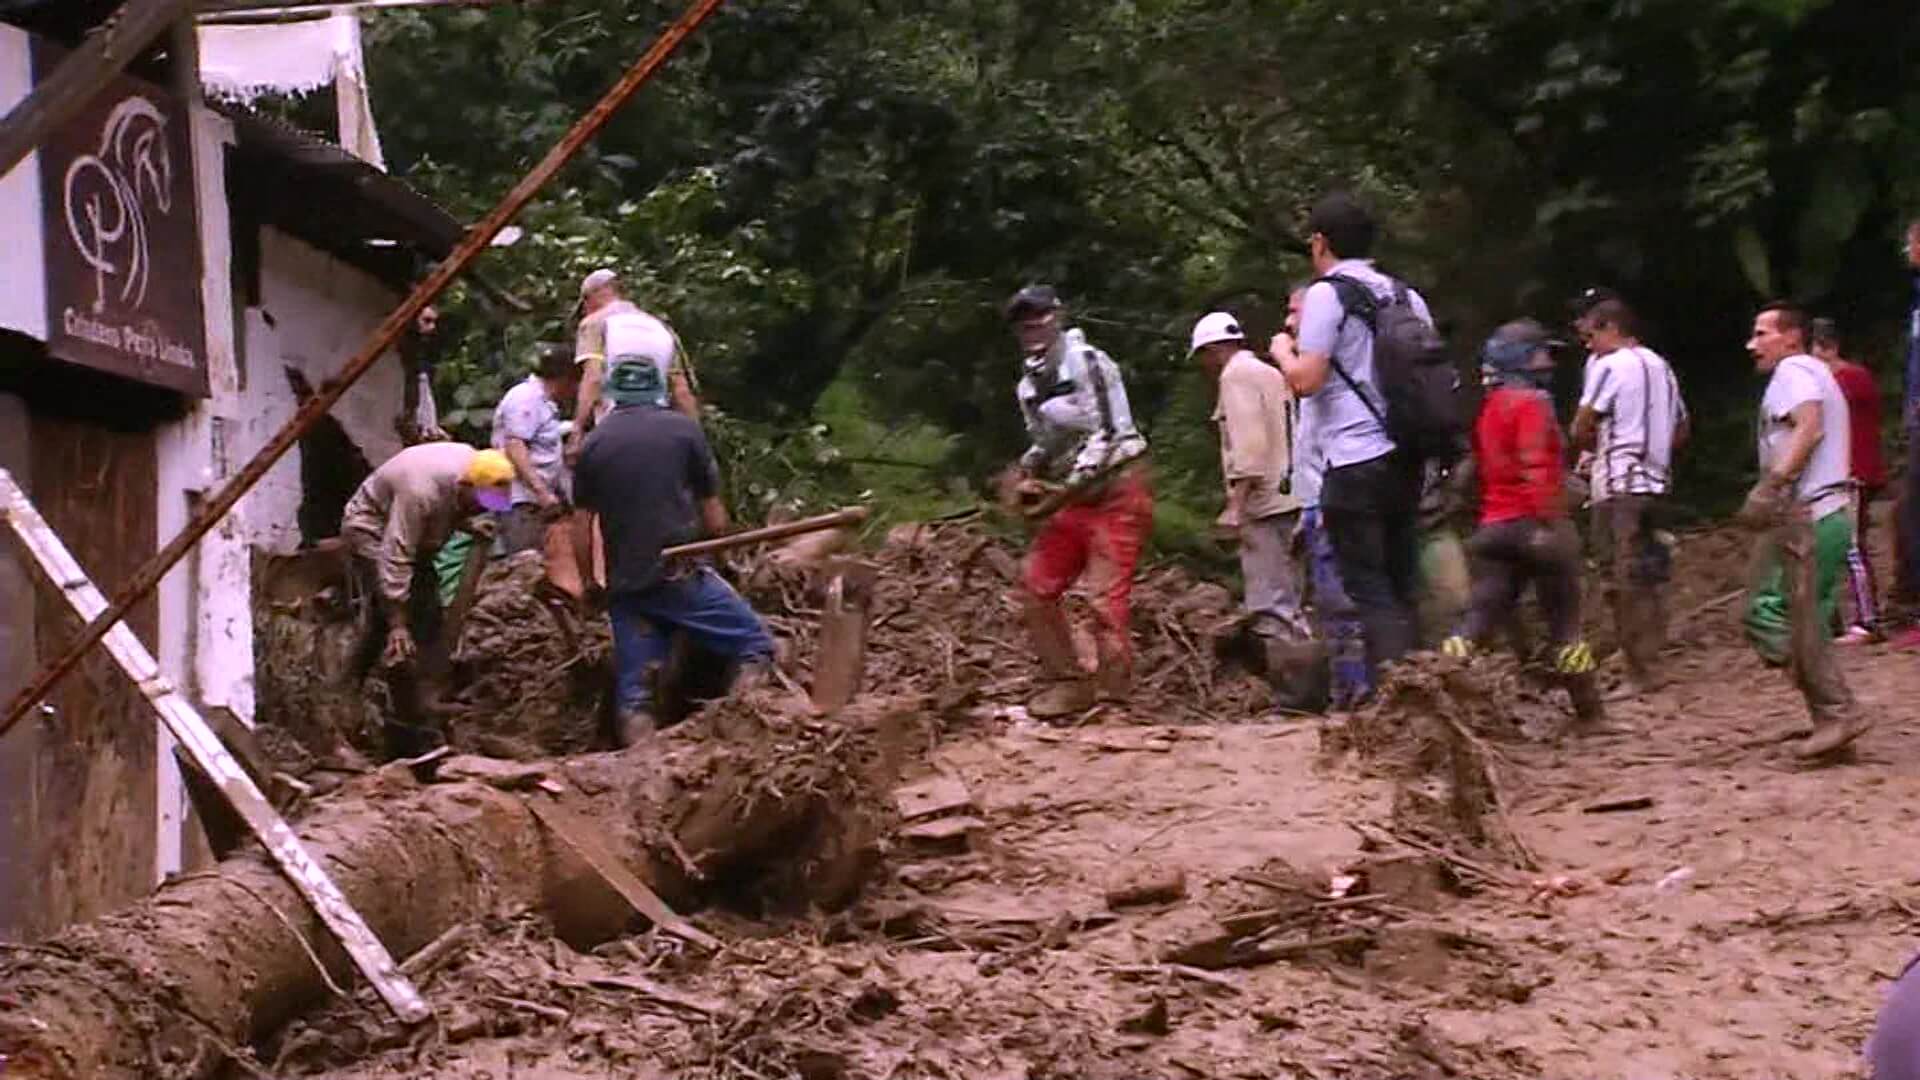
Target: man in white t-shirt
x=1631 y=420
x=1801 y=505
x=614 y=331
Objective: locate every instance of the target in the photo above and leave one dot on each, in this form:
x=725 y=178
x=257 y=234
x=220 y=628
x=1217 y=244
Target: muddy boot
x=633 y=726
x=1114 y=681
x=1299 y=675
x=1589 y=714
x=750 y=674
x=1831 y=735
x=1062 y=698
x=1065 y=687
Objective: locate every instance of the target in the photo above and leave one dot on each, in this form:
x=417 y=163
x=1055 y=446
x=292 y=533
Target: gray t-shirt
x=1822 y=486
x=1347 y=431
x=526 y=413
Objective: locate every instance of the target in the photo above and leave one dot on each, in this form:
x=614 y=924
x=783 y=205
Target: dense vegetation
x=830 y=197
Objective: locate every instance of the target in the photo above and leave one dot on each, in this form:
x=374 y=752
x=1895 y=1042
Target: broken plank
x=1619 y=803
x=941 y=794
x=943 y=829
x=578 y=836
x=211 y=755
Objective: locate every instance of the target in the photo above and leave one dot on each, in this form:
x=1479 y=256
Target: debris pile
x=1434 y=728
x=944 y=622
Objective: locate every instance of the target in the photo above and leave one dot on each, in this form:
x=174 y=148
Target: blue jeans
x=703 y=605
x=1339 y=625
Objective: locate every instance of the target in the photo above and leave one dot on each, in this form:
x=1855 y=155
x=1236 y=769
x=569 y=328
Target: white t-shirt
x=1634 y=393
x=1822 y=486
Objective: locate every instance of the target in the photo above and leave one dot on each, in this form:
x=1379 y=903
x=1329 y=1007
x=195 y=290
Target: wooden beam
x=84 y=73
x=187 y=726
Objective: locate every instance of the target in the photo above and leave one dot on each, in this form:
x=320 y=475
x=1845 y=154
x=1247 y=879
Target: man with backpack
x=1380 y=397
x=1631 y=420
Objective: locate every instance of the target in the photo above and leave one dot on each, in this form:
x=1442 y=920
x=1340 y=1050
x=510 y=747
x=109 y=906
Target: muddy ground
x=1394 y=895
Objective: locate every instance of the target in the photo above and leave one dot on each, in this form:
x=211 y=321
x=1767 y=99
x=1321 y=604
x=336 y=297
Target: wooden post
x=212 y=756
x=83 y=74
x=840 y=655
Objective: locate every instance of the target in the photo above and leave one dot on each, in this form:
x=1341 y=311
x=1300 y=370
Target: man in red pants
x=1084 y=480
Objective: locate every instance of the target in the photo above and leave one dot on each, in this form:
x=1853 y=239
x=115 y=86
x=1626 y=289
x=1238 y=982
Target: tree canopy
x=831 y=198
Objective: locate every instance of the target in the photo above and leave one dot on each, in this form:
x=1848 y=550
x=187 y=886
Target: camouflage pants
x=1787 y=550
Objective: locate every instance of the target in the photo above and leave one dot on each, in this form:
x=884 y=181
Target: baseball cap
x=1215 y=327
x=1032 y=300
x=1513 y=345
x=1589 y=298
x=490 y=473
x=598 y=279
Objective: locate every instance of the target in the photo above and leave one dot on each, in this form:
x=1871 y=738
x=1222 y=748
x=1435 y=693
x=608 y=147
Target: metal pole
x=478 y=237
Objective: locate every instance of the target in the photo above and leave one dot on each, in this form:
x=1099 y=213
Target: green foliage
x=829 y=198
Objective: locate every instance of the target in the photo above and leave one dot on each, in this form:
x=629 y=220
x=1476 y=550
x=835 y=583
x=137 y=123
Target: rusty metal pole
x=147 y=578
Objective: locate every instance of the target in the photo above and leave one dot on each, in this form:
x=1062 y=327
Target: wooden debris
x=576 y=835
x=550 y=1012
x=1153 y=1020
x=1410 y=954
x=951 y=833
x=1619 y=803
x=437 y=953
x=1417 y=881
x=1150 y=883
x=654 y=991
x=205 y=749
x=840 y=657
x=932 y=797
x=505 y=775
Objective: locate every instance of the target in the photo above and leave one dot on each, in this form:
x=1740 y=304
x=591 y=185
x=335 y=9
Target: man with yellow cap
x=401 y=515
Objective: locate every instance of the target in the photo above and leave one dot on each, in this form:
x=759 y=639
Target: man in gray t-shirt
x=527 y=428
x=1800 y=506
x=1370 y=492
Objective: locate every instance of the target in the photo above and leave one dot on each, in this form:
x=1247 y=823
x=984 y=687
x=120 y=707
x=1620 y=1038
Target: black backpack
x=1423 y=414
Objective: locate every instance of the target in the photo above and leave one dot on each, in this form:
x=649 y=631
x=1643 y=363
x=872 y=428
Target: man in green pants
x=1800 y=506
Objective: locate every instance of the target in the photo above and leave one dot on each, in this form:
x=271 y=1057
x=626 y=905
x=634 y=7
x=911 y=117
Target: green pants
x=1769 y=618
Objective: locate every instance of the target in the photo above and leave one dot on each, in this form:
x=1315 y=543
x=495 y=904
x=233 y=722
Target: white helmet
x=1215 y=327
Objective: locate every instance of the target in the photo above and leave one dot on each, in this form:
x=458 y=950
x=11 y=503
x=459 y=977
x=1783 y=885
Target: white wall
x=23 y=289
x=314 y=313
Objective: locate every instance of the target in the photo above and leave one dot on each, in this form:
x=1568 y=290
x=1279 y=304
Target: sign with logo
x=122 y=236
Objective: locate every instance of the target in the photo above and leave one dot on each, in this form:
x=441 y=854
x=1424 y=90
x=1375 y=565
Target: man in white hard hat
x=1257 y=418
x=614 y=331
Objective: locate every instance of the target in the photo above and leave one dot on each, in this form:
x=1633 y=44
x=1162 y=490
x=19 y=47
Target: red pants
x=1102 y=540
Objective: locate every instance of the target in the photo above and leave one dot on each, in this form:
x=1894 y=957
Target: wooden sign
x=122 y=235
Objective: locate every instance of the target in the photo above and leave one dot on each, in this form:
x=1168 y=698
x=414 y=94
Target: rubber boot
x=1299 y=674
x=633 y=726
x=1588 y=710
x=1831 y=735
x=1065 y=688
x=1113 y=679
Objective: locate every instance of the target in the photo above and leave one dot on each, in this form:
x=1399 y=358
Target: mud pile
x=945 y=622
x=1436 y=728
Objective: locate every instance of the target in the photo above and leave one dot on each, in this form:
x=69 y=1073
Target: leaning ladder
x=191 y=731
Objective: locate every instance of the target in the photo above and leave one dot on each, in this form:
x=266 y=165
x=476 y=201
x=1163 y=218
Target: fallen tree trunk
x=169 y=987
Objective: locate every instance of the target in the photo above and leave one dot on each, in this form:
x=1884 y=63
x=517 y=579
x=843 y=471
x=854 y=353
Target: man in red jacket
x=1525 y=536
x=1868 y=472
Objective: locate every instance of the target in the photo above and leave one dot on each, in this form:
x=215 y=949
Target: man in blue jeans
x=648 y=474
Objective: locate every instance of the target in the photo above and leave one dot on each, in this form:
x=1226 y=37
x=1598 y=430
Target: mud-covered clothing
x=700 y=605
x=1370 y=514
x=1100 y=538
x=1769 y=616
x=1507 y=556
x=1788 y=557
x=1255 y=411
x=1517 y=452
x=1336 y=616
x=1074 y=403
x=1634 y=566
x=1276 y=591
x=405 y=511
